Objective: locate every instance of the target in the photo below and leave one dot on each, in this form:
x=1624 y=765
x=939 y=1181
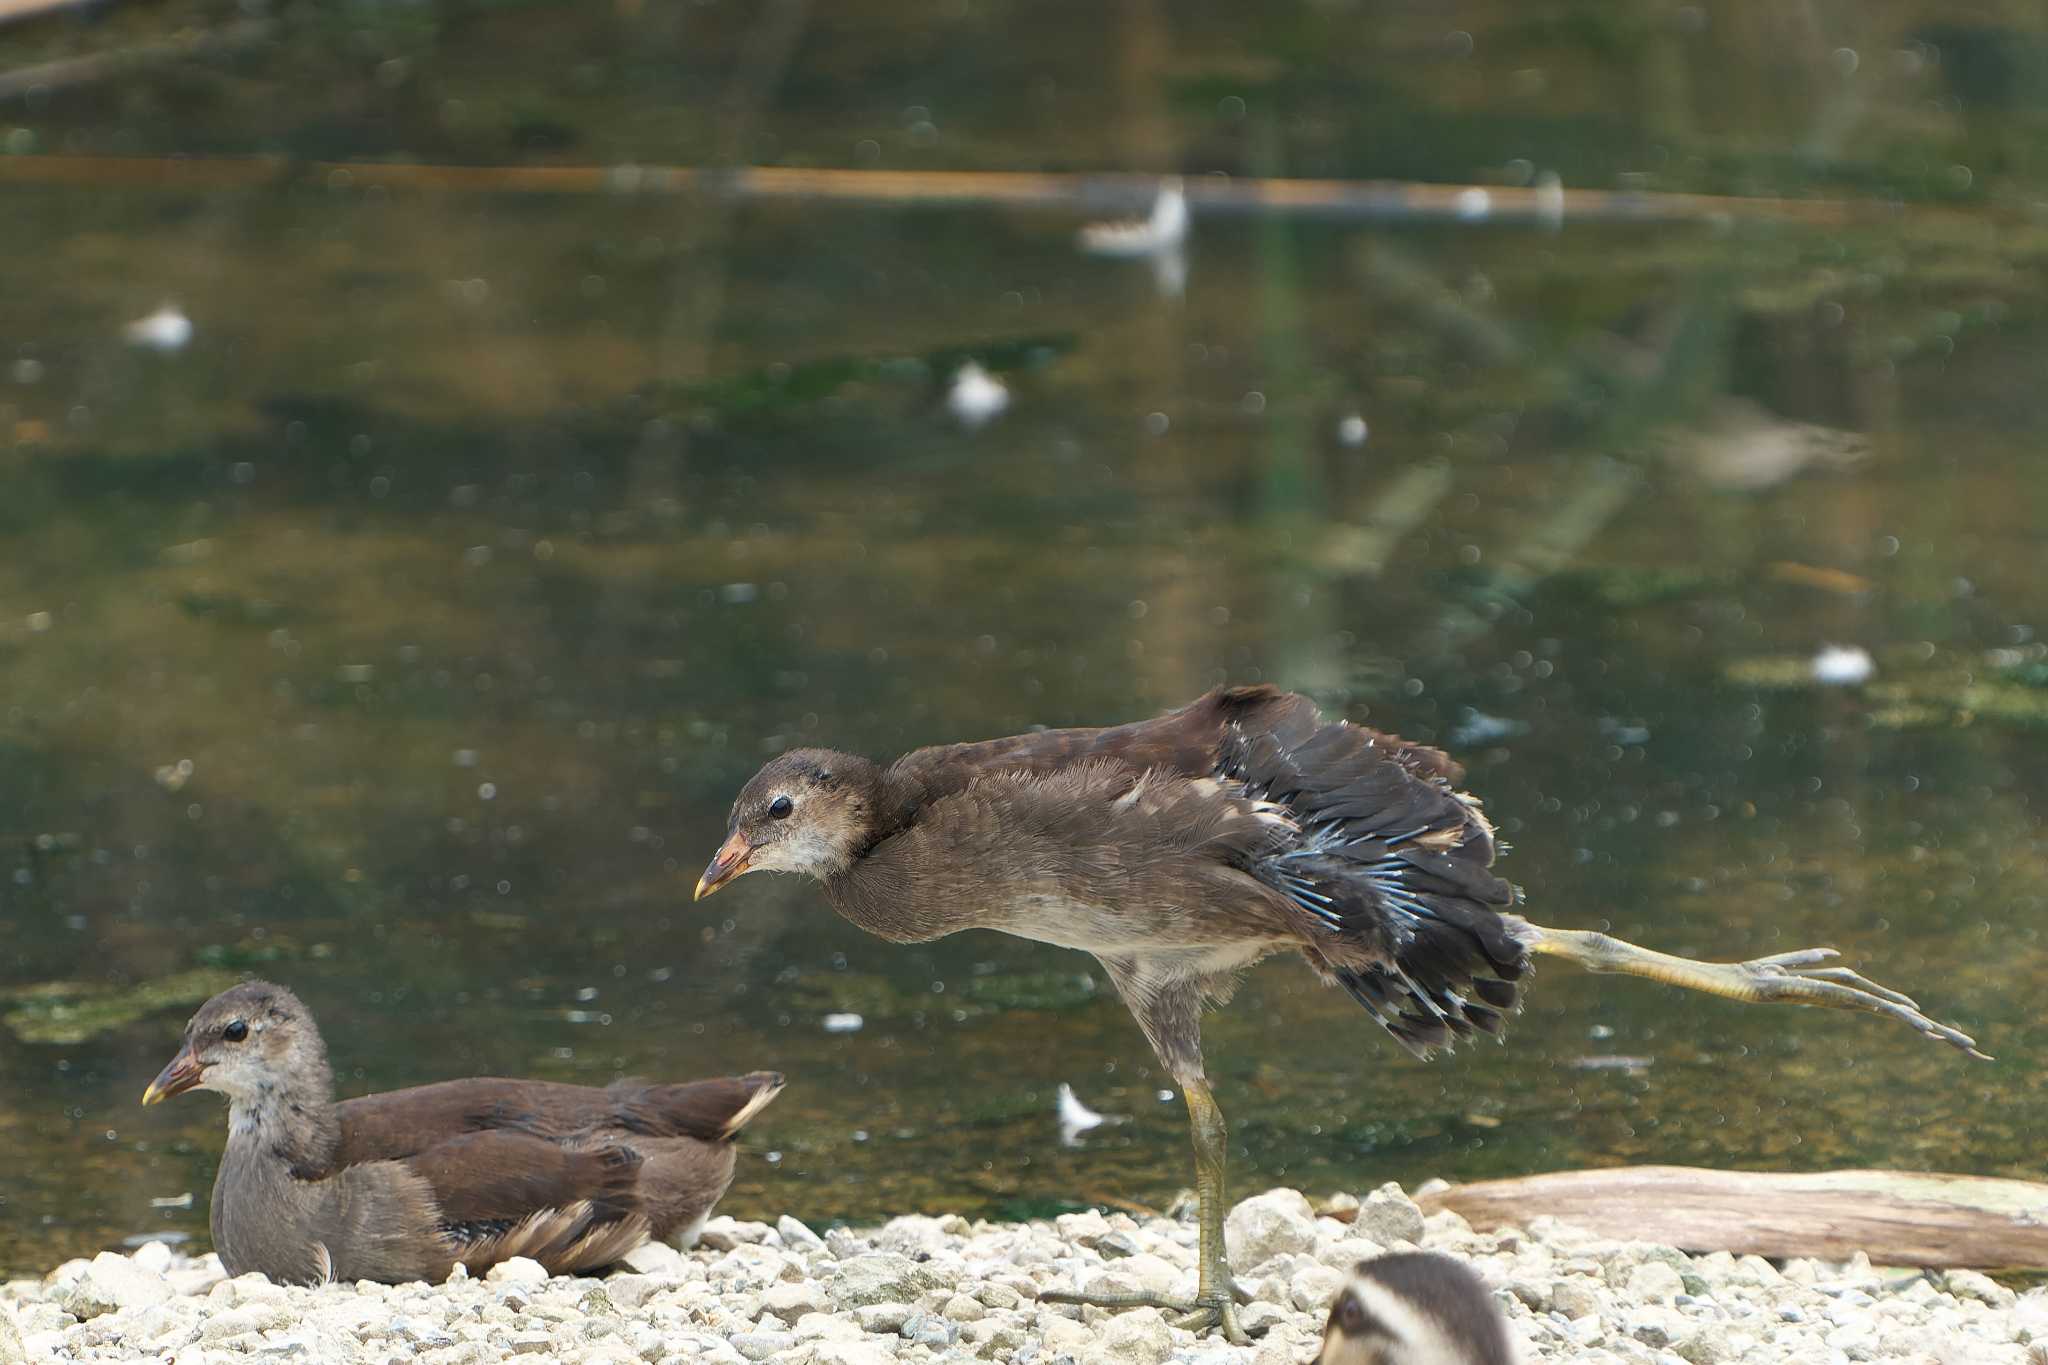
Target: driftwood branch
x=99 y=66
x=1896 y=1217
x=1343 y=200
x=17 y=11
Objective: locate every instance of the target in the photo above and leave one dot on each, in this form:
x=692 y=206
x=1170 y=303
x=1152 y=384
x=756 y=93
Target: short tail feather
x=1392 y=864
x=713 y=1110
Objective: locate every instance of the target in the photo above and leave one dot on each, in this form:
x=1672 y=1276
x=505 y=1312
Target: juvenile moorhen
x=1181 y=849
x=409 y=1184
x=1415 y=1308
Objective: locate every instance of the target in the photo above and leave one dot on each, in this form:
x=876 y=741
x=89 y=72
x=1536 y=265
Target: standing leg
x=1216 y=1290
x=1168 y=1007
x=1215 y=1301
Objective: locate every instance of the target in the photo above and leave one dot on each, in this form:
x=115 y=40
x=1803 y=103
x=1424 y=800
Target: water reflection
x=402 y=633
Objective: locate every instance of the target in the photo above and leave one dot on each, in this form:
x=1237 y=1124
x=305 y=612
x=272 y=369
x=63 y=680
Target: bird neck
x=896 y=798
x=288 y=1120
x=265 y=1205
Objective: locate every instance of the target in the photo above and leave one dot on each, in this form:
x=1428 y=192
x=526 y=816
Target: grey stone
x=796 y=1236
x=1276 y=1223
x=633 y=1291
x=109 y=1284
x=841 y=1242
x=519 y=1270
x=1576 y=1297
x=1063 y=1336
x=911 y=1234
x=1346 y=1252
x=931 y=1329
x=1654 y=1282
x=248 y=1317
x=1140 y=1336
x=12 y=1352
x=1388 y=1217
x=790 y=1301
x=1259 y=1318
x=1314 y=1287
x=1973 y=1284
x=723 y=1234
x=850 y=1353
x=1113 y=1245
x=761 y=1345
x=1707 y=1344
x=887 y=1318
x=880 y=1277
x=654 y=1258
x=825 y=1327
x=1086 y=1228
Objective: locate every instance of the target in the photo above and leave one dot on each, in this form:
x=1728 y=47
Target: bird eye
x=1351 y=1315
x=235 y=1032
x=780 y=807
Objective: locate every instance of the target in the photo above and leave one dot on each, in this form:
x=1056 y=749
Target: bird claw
x=1196 y=1315
x=1220 y=1314
x=1796 y=978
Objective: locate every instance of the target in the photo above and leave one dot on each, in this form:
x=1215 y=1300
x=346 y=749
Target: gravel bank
x=944 y=1289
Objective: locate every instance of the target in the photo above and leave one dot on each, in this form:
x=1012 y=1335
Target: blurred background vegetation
x=401 y=628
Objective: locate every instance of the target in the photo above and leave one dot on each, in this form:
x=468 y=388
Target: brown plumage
x=406 y=1185
x=1182 y=849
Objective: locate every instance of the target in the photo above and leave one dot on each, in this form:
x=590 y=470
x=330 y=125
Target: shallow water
x=405 y=636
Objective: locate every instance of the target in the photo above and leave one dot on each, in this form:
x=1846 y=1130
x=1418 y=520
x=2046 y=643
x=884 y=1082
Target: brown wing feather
x=500 y=1177
x=1186 y=741
x=401 y=1123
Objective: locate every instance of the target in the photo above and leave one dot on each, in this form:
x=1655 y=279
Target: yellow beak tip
x=151 y=1095
x=703 y=890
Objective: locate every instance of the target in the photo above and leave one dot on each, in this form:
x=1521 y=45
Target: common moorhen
x=1181 y=849
x=409 y=1184
x=1415 y=1308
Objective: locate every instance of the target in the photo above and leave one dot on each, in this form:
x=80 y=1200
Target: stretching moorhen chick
x=406 y=1185
x=1182 y=849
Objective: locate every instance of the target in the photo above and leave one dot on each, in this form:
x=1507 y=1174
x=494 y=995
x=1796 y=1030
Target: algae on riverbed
x=74 y=1011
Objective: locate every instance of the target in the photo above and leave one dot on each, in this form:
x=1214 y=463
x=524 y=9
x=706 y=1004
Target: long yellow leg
x=1214 y=1304
x=1785 y=978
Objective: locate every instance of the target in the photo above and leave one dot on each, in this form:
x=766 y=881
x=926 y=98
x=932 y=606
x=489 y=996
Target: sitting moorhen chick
x=407 y=1185
x=1182 y=849
x=1415 y=1308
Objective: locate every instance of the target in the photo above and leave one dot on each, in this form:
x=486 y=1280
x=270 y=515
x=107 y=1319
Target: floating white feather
x=167 y=330
x=976 y=396
x=1164 y=231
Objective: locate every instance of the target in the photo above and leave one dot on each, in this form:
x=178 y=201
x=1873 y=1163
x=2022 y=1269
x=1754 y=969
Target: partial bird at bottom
x=1415 y=1308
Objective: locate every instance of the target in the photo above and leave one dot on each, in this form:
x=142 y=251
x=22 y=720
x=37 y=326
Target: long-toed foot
x=1794 y=978
x=1196 y=1315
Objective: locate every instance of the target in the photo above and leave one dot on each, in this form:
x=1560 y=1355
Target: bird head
x=249 y=1041
x=811 y=811
x=1415 y=1308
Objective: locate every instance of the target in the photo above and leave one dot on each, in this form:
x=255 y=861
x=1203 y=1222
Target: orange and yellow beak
x=175 y=1079
x=730 y=862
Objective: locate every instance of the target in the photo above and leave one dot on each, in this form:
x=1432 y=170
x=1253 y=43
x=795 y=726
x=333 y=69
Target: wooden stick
x=1896 y=1217
x=1348 y=200
x=15 y=11
x=68 y=71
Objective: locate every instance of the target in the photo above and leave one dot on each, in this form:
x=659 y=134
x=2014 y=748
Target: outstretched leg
x=1216 y=1292
x=1786 y=978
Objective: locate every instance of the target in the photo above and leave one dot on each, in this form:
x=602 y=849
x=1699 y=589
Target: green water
x=481 y=544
